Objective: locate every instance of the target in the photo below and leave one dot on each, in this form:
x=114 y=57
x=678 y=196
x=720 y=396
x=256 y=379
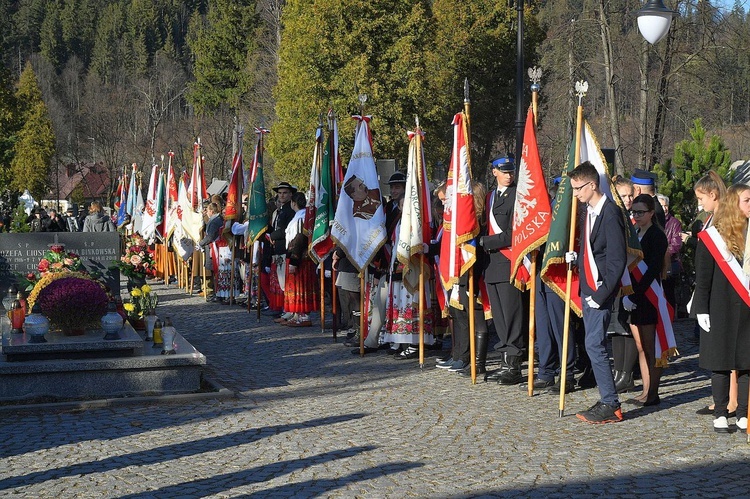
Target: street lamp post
x=519 y=80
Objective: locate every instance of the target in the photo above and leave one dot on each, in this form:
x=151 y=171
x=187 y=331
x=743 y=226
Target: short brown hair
x=585 y=171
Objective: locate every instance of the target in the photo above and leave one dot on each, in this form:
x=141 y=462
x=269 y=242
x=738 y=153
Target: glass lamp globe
x=654 y=20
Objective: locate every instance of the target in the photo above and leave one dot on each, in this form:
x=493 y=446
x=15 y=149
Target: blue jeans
x=596 y=322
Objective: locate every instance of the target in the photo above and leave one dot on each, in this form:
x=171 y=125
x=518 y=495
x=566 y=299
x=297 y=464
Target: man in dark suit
x=601 y=263
x=213 y=231
x=505 y=298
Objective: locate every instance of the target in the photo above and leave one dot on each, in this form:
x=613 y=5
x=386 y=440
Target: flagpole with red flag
x=531 y=223
x=470 y=288
x=233 y=208
x=311 y=211
x=460 y=225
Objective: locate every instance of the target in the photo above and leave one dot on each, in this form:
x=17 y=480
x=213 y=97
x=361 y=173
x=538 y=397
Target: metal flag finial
x=466 y=91
x=416 y=120
x=582 y=86
x=535 y=75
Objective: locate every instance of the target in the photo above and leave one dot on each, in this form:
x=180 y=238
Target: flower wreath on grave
x=55 y=260
x=70 y=300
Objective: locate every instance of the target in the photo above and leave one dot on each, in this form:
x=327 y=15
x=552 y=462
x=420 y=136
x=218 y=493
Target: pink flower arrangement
x=55 y=260
x=138 y=260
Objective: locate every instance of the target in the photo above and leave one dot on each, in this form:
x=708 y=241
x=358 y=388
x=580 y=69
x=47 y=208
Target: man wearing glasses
x=601 y=263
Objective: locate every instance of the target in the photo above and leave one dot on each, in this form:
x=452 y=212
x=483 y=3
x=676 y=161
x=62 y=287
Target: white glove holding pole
x=571 y=257
x=704 y=321
x=627 y=304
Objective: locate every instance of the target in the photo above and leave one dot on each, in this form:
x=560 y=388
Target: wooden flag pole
x=203 y=272
x=535 y=74
x=580 y=91
x=193 y=271
x=231 y=273
x=532 y=321
x=362 y=314
x=470 y=290
x=322 y=298
x=258 y=291
x=334 y=308
x=421 y=313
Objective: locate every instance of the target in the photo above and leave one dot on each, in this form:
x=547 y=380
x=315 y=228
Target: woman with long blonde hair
x=722 y=304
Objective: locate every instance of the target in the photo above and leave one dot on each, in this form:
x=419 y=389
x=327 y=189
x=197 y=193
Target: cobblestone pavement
x=312 y=420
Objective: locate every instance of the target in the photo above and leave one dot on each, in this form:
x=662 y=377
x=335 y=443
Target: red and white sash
x=666 y=345
x=727 y=263
x=524 y=272
x=590 y=270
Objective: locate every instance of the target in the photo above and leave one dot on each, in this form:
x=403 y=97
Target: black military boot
x=512 y=375
x=625 y=383
x=495 y=375
x=481 y=354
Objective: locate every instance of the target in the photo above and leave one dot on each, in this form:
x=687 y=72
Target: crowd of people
x=287 y=280
x=391 y=307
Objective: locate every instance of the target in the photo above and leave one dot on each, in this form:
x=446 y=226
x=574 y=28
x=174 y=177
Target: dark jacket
x=608 y=245
x=278 y=234
x=498 y=267
x=54 y=225
x=727 y=345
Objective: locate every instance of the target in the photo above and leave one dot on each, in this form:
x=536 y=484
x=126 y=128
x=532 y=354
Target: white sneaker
x=742 y=424
x=721 y=425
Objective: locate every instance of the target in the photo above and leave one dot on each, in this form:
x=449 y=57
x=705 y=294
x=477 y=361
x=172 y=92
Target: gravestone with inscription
x=20 y=253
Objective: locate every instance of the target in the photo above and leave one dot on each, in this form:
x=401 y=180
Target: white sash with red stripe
x=524 y=272
x=590 y=269
x=727 y=263
x=666 y=345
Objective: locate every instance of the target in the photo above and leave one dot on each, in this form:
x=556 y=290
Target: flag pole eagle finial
x=582 y=87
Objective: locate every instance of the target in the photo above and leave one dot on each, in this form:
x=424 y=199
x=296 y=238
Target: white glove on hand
x=327 y=274
x=592 y=304
x=267 y=270
x=571 y=257
x=628 y=304
x=704 y=321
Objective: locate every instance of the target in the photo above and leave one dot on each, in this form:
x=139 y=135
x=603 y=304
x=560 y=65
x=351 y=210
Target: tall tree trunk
x=661 y=102
x=614 y=122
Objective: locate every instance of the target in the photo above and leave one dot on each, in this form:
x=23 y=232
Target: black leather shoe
x=466 y=371
x=493 y=375
x=411 y=352
x=539 y=384
x=367 y=350
x=653 y=402
x=512 y=374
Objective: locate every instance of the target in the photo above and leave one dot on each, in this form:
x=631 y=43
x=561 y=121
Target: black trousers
x=461 y=347
x=720 y=392
x=349 y=301
x=507 y=315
